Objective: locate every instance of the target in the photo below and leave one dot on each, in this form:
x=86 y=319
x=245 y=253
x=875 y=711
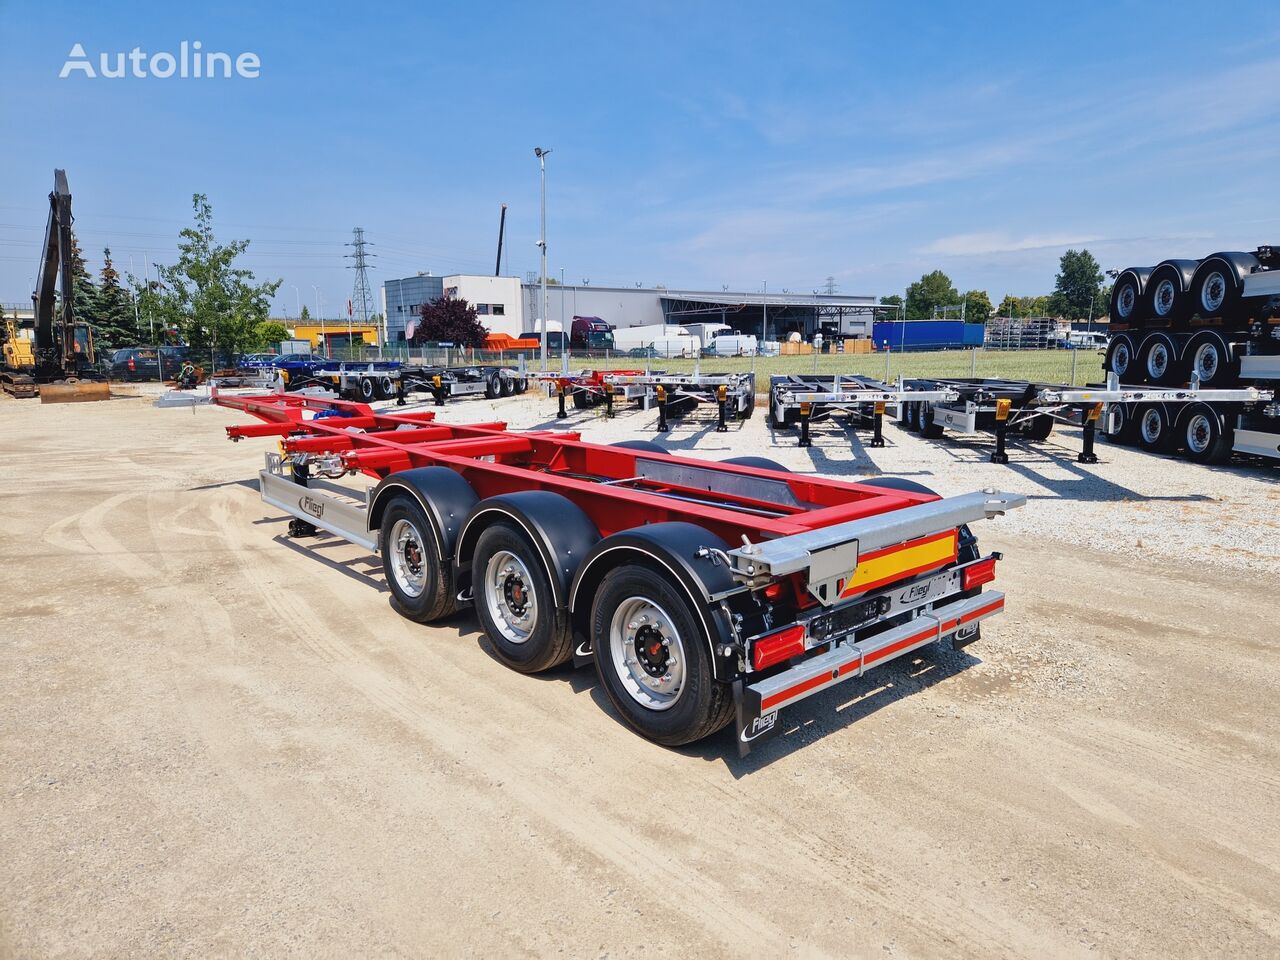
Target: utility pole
x=362 y=296
x=542 y=244
x=764 y=308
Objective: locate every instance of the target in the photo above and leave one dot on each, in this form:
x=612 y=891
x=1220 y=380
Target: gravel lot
x=216 y=741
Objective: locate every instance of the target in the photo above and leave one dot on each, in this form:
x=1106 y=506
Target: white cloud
x=983 y=244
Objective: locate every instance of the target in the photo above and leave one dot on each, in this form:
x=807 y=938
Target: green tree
x=85 y=304
x=1078 y=286
x=114 y=317
x=977 y=306
x=268 y=333
x=305 y=316
x=212 y=302
x=932 y=290
x=1024 y=307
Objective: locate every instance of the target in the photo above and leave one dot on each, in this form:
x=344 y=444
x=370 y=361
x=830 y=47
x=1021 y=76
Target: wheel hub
x=651 y=650
x=509 y=596
x=1215 y=292
x=513 y=591
x=1126 y=301
x=1164 y=297
x=1198 y=434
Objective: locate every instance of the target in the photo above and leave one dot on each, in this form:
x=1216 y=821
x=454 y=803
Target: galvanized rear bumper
x=758 y=703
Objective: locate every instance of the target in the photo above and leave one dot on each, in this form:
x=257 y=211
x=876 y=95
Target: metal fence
x=1057 y=366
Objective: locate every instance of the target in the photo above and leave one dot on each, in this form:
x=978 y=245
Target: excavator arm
x=55 y=352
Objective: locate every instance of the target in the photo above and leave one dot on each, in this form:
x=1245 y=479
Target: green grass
x=1047 y=366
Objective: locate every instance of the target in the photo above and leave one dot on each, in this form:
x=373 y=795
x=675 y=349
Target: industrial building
x=508 y=306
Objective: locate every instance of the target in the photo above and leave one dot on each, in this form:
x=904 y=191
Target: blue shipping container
x=927 y=334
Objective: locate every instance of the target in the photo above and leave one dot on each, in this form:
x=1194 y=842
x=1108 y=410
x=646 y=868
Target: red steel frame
x=496 y=462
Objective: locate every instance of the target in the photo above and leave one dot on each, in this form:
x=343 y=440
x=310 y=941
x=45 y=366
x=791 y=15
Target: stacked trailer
x=802 y=400
x=1185 y=320
x=700 y=591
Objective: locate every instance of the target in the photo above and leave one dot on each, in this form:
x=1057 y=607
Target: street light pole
x=542 y=244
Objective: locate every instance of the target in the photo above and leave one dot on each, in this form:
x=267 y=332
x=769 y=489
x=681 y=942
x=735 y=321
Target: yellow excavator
x=58 y=361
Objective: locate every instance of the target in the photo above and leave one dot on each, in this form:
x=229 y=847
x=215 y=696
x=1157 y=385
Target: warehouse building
x=507 y=306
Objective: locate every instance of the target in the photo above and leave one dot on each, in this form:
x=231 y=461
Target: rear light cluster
x=776 y=647
x=976 y=574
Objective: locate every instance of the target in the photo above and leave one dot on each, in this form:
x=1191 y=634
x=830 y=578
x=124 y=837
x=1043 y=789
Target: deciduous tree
x=446 y=320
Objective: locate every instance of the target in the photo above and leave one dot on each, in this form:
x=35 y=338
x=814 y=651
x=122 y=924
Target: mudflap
x=753 y=729
x=583 y=655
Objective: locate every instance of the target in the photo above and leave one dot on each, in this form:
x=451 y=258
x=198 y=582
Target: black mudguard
x=693 y=557
x=445 y=497
x=557 y=527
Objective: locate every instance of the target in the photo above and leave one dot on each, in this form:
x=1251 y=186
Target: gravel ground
x=218 y=741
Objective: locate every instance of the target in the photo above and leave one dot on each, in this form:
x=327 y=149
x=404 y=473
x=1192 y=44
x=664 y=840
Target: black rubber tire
x=760 y=463
x=928 y=428
x=1152 y=428
x=579 y=400
x=1122 y=357
x=367 y=390
x=508 y=386
x=438 y=598
x=1165 y=299
x=786 y=423
x=1127 y=292
x=1228 y=271
x=1156 y=345
x=646 y=445
x=386 y=388
x=898 y=483
x=522 y=384
x=1039 y=428
x=1205 y=435
x=1122 y=417
x=750 y=409
x=493 y=386
x=550 y=642
x=704 y=706
x=1209 y=354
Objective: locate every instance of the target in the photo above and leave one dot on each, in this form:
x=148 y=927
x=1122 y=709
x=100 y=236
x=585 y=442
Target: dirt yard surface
x=216 y=741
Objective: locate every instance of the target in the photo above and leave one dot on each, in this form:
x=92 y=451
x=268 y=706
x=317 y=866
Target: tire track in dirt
x=592 y=828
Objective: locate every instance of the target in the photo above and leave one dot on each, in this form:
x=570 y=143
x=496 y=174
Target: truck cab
x=591 y=333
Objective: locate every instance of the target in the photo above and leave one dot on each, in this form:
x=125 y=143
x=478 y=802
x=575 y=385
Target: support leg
x=608 y=403
x=560 y=393
x=804 y=428
x=300 y=528
x=721 y=427
x=999 y=456
x=662 y=413
x=1090 y=430
x=877 y=427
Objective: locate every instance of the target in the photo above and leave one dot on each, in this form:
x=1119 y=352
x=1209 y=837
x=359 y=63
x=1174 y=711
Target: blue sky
x=695 y=144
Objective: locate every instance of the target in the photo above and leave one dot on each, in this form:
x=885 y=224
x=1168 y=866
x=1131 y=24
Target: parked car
x=146 y=363
x=255 y=361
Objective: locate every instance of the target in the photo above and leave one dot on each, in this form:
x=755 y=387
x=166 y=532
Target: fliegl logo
x=311 y=506
x=759 y=727
x=190 y=62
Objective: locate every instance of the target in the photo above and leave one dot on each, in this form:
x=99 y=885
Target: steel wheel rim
x=1151 y=426
x=1164 y=297
x=1214 y=292
x=510 y=597
x=647 y=653
x=1206 y=361
x=1199 y=433
x=1157 y=361
x=1126 y=300
x=1120 y=359
x=387 y=386
x=408 y=564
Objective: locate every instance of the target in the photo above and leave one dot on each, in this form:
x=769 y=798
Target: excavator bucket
x=78 y=391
